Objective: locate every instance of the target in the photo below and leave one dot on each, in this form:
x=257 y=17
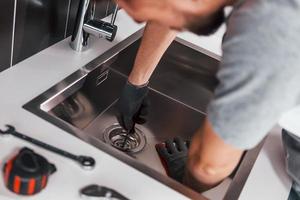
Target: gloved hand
x=132 y=106
x=173 y=155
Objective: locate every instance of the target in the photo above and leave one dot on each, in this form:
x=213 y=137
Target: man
x=259 y=80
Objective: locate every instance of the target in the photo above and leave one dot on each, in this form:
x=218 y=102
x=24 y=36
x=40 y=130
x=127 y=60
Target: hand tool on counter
x=27 y=172
x=96 y=192
x=86 y=162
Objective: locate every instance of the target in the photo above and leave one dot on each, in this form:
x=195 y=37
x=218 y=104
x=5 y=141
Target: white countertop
x=28 y=79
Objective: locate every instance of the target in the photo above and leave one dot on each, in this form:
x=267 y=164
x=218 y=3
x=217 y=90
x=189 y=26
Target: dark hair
x=208 y=25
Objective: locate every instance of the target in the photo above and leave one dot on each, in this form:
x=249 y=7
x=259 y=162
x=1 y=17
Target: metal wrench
x=86 y=162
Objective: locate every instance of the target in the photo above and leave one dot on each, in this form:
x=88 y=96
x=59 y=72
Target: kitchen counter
x=28 y=79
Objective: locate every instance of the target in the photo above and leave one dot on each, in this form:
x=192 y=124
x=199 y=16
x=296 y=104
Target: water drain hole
x=117 y=137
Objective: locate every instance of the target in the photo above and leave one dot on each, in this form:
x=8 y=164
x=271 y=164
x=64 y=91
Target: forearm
x=210 y=159
x=156 y=39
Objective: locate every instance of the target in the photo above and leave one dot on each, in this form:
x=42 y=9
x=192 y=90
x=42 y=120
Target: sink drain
x=116 y=136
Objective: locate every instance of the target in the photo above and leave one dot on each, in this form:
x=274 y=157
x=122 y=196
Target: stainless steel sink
x=83 y=104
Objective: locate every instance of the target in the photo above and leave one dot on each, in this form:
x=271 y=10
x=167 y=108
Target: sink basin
x=83 y=104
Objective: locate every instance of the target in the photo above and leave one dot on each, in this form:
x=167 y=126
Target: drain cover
x=117 y=137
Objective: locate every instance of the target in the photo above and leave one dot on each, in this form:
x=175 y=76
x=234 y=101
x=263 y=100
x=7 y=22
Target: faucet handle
x=86 y=24
x=101 y=29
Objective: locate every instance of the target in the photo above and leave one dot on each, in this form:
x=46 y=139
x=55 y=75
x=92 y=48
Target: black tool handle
x=44 y=145
x=101 y=192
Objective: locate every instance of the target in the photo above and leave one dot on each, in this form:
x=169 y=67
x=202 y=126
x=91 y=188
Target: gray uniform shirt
x=260 y=70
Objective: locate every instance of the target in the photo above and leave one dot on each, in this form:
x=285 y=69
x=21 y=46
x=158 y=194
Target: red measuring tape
x=27 y=173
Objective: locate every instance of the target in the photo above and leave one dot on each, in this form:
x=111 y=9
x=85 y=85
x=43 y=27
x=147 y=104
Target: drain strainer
x=117 y=137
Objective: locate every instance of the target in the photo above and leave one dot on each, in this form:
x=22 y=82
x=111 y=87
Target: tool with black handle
x=97 y=192
x=86 y=162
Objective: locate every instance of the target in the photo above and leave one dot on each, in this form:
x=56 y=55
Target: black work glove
x=173 y=155
x=132 y=106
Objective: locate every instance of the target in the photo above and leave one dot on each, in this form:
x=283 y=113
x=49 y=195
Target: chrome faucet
x=86 y=25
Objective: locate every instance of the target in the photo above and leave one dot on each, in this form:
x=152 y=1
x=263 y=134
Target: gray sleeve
x=260 y=71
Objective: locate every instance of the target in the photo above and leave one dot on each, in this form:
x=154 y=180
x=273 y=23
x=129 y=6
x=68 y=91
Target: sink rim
x=39 y=106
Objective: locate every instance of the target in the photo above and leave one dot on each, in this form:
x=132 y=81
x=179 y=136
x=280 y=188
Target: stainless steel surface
x=242 y=173
x=180 y=90
x=86 y=25
x=114 y=16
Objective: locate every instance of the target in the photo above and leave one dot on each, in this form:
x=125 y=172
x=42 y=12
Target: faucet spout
x=86 y=25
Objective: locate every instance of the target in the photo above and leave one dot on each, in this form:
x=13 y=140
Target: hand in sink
x=173 y=155
x=132 y=106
